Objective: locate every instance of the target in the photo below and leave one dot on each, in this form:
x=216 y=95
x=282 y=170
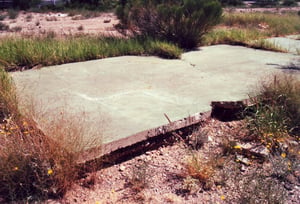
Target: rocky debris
x=243 y=160
x=253 y=149
x=106 y=20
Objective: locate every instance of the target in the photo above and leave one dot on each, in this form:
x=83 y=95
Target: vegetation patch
x=33 y=166
x=180 y=22
x=30 y=52
x=249 y=29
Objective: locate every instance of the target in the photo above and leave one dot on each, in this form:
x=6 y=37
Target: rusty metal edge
x=125 y=146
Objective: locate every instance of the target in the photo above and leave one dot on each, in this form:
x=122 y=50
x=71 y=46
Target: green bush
x=231 y=2
x=289 y=3
x=25 y=4
x=183 y=22
x=266 y=2
x=3 y=27
x=277 y=110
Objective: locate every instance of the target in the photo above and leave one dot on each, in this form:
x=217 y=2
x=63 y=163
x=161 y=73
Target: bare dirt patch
x=61 y=24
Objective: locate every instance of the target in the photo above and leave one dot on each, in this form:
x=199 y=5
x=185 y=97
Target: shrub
x=289 y=3
x=277 y=110
x=25 y=4
x=2 y=17
x=3 y=27
x=266 y=2
x=180 y=22
x=232 y=2
x=39 y=167
x=12 y=14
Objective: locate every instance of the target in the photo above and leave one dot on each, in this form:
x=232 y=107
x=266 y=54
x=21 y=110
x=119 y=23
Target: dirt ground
x=61 y=24
x=162 y=176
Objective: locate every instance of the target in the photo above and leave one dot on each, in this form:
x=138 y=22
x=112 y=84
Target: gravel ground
x=162 y=176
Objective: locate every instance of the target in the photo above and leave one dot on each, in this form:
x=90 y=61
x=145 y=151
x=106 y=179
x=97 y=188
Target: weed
x=266 y=45
x=51 y=18
x=16 y=29
x=50 y=51
x=258 y=188
x=29 y=17
x=230 y=36
x=180 y=22
x=191 y=184
x=3 y=27
x=8 y=97
x=140 y=176
x=2 y=17
x=247 y=27
x=276 y=113
x=80 y=28
x=41 y=167
x=200 y=168
x=12 y=14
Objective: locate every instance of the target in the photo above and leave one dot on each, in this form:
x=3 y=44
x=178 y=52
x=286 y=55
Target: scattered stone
x=291 y=179
x=122 y=168
x=106 y=20
x=243 y=160
x=261 y=151
x=254 y=149
x=243 y=168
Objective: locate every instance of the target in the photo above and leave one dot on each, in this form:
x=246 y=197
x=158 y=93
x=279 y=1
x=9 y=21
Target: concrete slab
x=122 y=96
x=289 y=43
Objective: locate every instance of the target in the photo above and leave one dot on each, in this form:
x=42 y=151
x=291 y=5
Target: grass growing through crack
x=50 y=51
x=33 y=166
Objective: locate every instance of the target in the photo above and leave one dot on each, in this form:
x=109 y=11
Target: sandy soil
x=60 y=23
x=29 y=23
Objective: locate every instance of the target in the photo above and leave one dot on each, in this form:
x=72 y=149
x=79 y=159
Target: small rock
x=243 y=168
x=243 y=160
x=288 y=186
x=291 y=179
x=106 y=20
x=260 y=151
x=122 y=168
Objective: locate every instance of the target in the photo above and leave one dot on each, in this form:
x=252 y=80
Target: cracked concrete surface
x=125 y=95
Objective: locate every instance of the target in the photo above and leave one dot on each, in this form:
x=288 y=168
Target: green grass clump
x=50 y=51
x=232 y=36
x=249 y=29
x=12 y=13
x=8 y=98
x=275 y=25
x=276 y=113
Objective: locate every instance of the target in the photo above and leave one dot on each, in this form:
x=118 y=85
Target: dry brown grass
x=200 y=168
x=35 y=166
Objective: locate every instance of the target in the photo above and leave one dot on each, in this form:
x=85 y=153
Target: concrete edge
x=130 y=141
x=123 y=149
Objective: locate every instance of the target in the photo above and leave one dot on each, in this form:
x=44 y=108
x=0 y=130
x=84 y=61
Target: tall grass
x=275 y=24
x=245 y=28
x=33 y=166
x=50 y=51
x=277 y=111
